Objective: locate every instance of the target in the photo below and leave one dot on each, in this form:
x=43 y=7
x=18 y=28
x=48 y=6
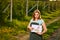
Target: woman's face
x=36 y=15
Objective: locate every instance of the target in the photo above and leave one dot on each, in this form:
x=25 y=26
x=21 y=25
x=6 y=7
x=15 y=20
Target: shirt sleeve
x=42 y=21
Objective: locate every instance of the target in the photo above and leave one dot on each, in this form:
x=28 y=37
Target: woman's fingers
x=39 y=33
x=31 y=28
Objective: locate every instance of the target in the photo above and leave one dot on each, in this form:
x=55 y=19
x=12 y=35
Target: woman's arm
x=44 y=28
x=30 y=28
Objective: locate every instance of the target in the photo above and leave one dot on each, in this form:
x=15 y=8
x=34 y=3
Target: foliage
x=51 y=29
x=20 y=20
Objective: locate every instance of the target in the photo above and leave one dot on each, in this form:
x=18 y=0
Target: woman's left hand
x=39 y=33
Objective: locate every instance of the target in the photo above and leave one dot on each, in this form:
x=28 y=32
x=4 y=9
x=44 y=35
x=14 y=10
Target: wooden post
x=37 y=4
x=11 y=12
x=27 y=8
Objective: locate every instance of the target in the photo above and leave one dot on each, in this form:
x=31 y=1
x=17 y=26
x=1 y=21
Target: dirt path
x=55 y=35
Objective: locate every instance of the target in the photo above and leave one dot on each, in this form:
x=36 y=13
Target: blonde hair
x=36 y=11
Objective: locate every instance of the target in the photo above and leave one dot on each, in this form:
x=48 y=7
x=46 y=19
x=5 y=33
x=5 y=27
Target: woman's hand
x=30 y=28
x=39 y=33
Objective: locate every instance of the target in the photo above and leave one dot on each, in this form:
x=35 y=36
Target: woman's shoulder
x=42 y=20
x=31 y=20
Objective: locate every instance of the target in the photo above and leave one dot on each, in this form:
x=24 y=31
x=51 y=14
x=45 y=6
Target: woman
x=36 y=20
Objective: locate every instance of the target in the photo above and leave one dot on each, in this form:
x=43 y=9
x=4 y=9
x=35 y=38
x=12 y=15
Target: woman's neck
x=36 y=19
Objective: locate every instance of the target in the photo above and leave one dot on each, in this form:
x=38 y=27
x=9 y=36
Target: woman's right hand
x=30 y=28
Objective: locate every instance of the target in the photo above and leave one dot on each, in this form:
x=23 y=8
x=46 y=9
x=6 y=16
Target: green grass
x=13 y=28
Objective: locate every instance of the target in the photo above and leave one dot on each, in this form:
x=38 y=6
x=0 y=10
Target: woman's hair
x=36 y=11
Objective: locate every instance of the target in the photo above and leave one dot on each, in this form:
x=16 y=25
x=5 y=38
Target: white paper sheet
x=37 y=28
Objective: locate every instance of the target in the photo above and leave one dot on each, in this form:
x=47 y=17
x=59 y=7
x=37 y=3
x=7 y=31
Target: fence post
x=11 y=12
x=27 y=8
